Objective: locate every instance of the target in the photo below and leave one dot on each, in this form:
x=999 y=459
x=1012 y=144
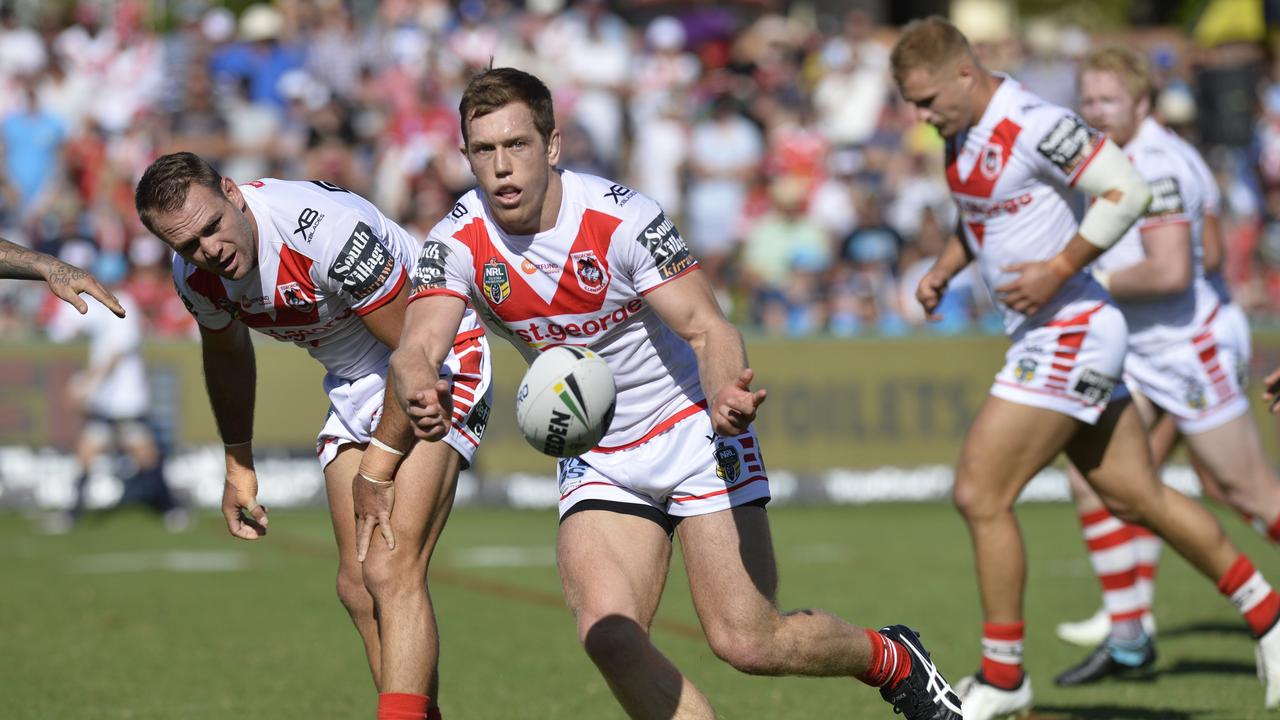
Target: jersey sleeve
x=445 y=266
x=208 y=314
x=361 y=266
x=1059 y=144
x=1209 y=184
x=1169 y=201
x=654 y=252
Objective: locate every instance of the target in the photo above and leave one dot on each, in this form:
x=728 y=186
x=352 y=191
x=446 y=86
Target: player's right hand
x=246 y=519
x=929 y=293
x=1272 y=393
x=430 y=411
x=68 y=281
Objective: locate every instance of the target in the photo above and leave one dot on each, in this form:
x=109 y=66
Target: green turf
x=88 y=633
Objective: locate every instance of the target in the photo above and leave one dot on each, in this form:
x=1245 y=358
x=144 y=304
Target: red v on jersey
x=293 y=304
x=986 y=170
x=595 y=234
x=991 y=162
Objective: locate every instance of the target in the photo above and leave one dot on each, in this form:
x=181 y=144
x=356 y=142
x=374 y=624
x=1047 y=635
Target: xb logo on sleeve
x=309 y=220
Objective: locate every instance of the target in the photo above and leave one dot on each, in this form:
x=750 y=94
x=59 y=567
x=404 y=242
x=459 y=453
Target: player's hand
x=1272 y=393
x=1036 y=284
x=735 y=406
x=68 y=281
x=929 y=293
x=431 y=411
x=373 y=502
x=246 y=519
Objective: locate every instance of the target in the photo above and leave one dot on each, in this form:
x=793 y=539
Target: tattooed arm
x=65 y=281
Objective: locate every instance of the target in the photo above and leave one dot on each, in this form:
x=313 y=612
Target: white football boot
x=1092 y=631
x=982 y=701
x=1268 y=655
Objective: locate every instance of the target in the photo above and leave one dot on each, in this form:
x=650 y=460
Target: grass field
x=121 y=620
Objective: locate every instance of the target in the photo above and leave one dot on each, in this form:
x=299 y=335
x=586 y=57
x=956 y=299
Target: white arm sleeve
x=1106 y=220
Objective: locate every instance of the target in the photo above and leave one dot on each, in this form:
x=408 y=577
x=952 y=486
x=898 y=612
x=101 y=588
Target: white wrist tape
x=385 y=447
x=238 y=444
x=377 y=482
x=1106 y=220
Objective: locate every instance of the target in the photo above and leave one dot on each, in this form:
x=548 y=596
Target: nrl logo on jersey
x=992 y=161
x=497 y=284
x=586 y=267
x=296 y=297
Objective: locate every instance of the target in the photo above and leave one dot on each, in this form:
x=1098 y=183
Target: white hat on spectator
x=146 y=250
x=665 y=33
x=218 y=25
x=544 y=8
x=261 y=22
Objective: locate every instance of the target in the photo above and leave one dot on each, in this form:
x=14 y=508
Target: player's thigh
x=1164 y=438
x=425 y=485
x=337 y=482
x=733 y=575
x=139 y=442
x=1007 y=444
x=1115 y=458
x=612 y=566
x=1232 y=454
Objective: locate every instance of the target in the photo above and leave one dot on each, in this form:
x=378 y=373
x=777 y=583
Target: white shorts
x=1197 y=381
x=1231 y=329
x=686 y=471
x=1070 y=365
x=355 y=406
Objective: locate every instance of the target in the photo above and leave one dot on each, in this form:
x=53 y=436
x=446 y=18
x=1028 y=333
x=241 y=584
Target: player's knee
x=975 y=501
x=353 y=594
x=388 y=576
x=612 y=641
x=747 y=650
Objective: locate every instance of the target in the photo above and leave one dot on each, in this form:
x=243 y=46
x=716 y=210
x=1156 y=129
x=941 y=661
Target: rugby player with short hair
x=552 y=257
x=1014 y=165
x=1187 y=358
x=314 y=264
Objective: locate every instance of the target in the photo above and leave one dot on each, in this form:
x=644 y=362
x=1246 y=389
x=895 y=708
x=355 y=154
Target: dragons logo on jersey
x=497 y=284
x=1195 y=395
x=992 y=161
x=667 y=248
x=295 y=297
x=586 y=267
x=728 y=464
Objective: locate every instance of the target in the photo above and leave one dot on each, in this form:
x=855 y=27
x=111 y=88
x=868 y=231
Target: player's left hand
x=373 y=502
x=735 y=406
x=1036 y=284
x=1272 y=393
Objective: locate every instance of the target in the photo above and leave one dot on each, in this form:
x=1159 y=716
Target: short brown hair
x=496 y=88
x=164 y=185
x=928 y=42
x=1129 y=65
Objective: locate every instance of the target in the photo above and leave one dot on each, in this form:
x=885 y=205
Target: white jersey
x=123 y=393
x=1012 y=176
x=326 y=257
x=1178 y=196
x=1212 y=206
x=580 y=283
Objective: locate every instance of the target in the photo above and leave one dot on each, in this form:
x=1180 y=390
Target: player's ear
x=553 y=147
x=232 y=191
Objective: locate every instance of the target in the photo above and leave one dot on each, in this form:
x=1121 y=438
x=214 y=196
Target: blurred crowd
x=776 y=141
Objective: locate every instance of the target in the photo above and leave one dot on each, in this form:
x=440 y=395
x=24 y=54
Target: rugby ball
x=565 y=401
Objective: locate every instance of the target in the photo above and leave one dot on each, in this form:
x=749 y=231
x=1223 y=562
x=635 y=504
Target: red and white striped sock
x=1002 y=654
x=890 y=661
x=1113 y=554
x=1252 y=595
x=1147 y=546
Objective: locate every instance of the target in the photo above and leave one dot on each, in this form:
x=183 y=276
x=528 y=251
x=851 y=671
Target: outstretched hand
x=68 y=281
x=373 y=500
x=246 y=519
x=735 y=405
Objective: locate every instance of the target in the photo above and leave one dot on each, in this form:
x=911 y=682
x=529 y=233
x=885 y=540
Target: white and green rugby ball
x=565 y=401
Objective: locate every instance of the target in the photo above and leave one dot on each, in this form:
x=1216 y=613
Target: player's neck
x=984 y=90
x=253 y=225
x=551 y=203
